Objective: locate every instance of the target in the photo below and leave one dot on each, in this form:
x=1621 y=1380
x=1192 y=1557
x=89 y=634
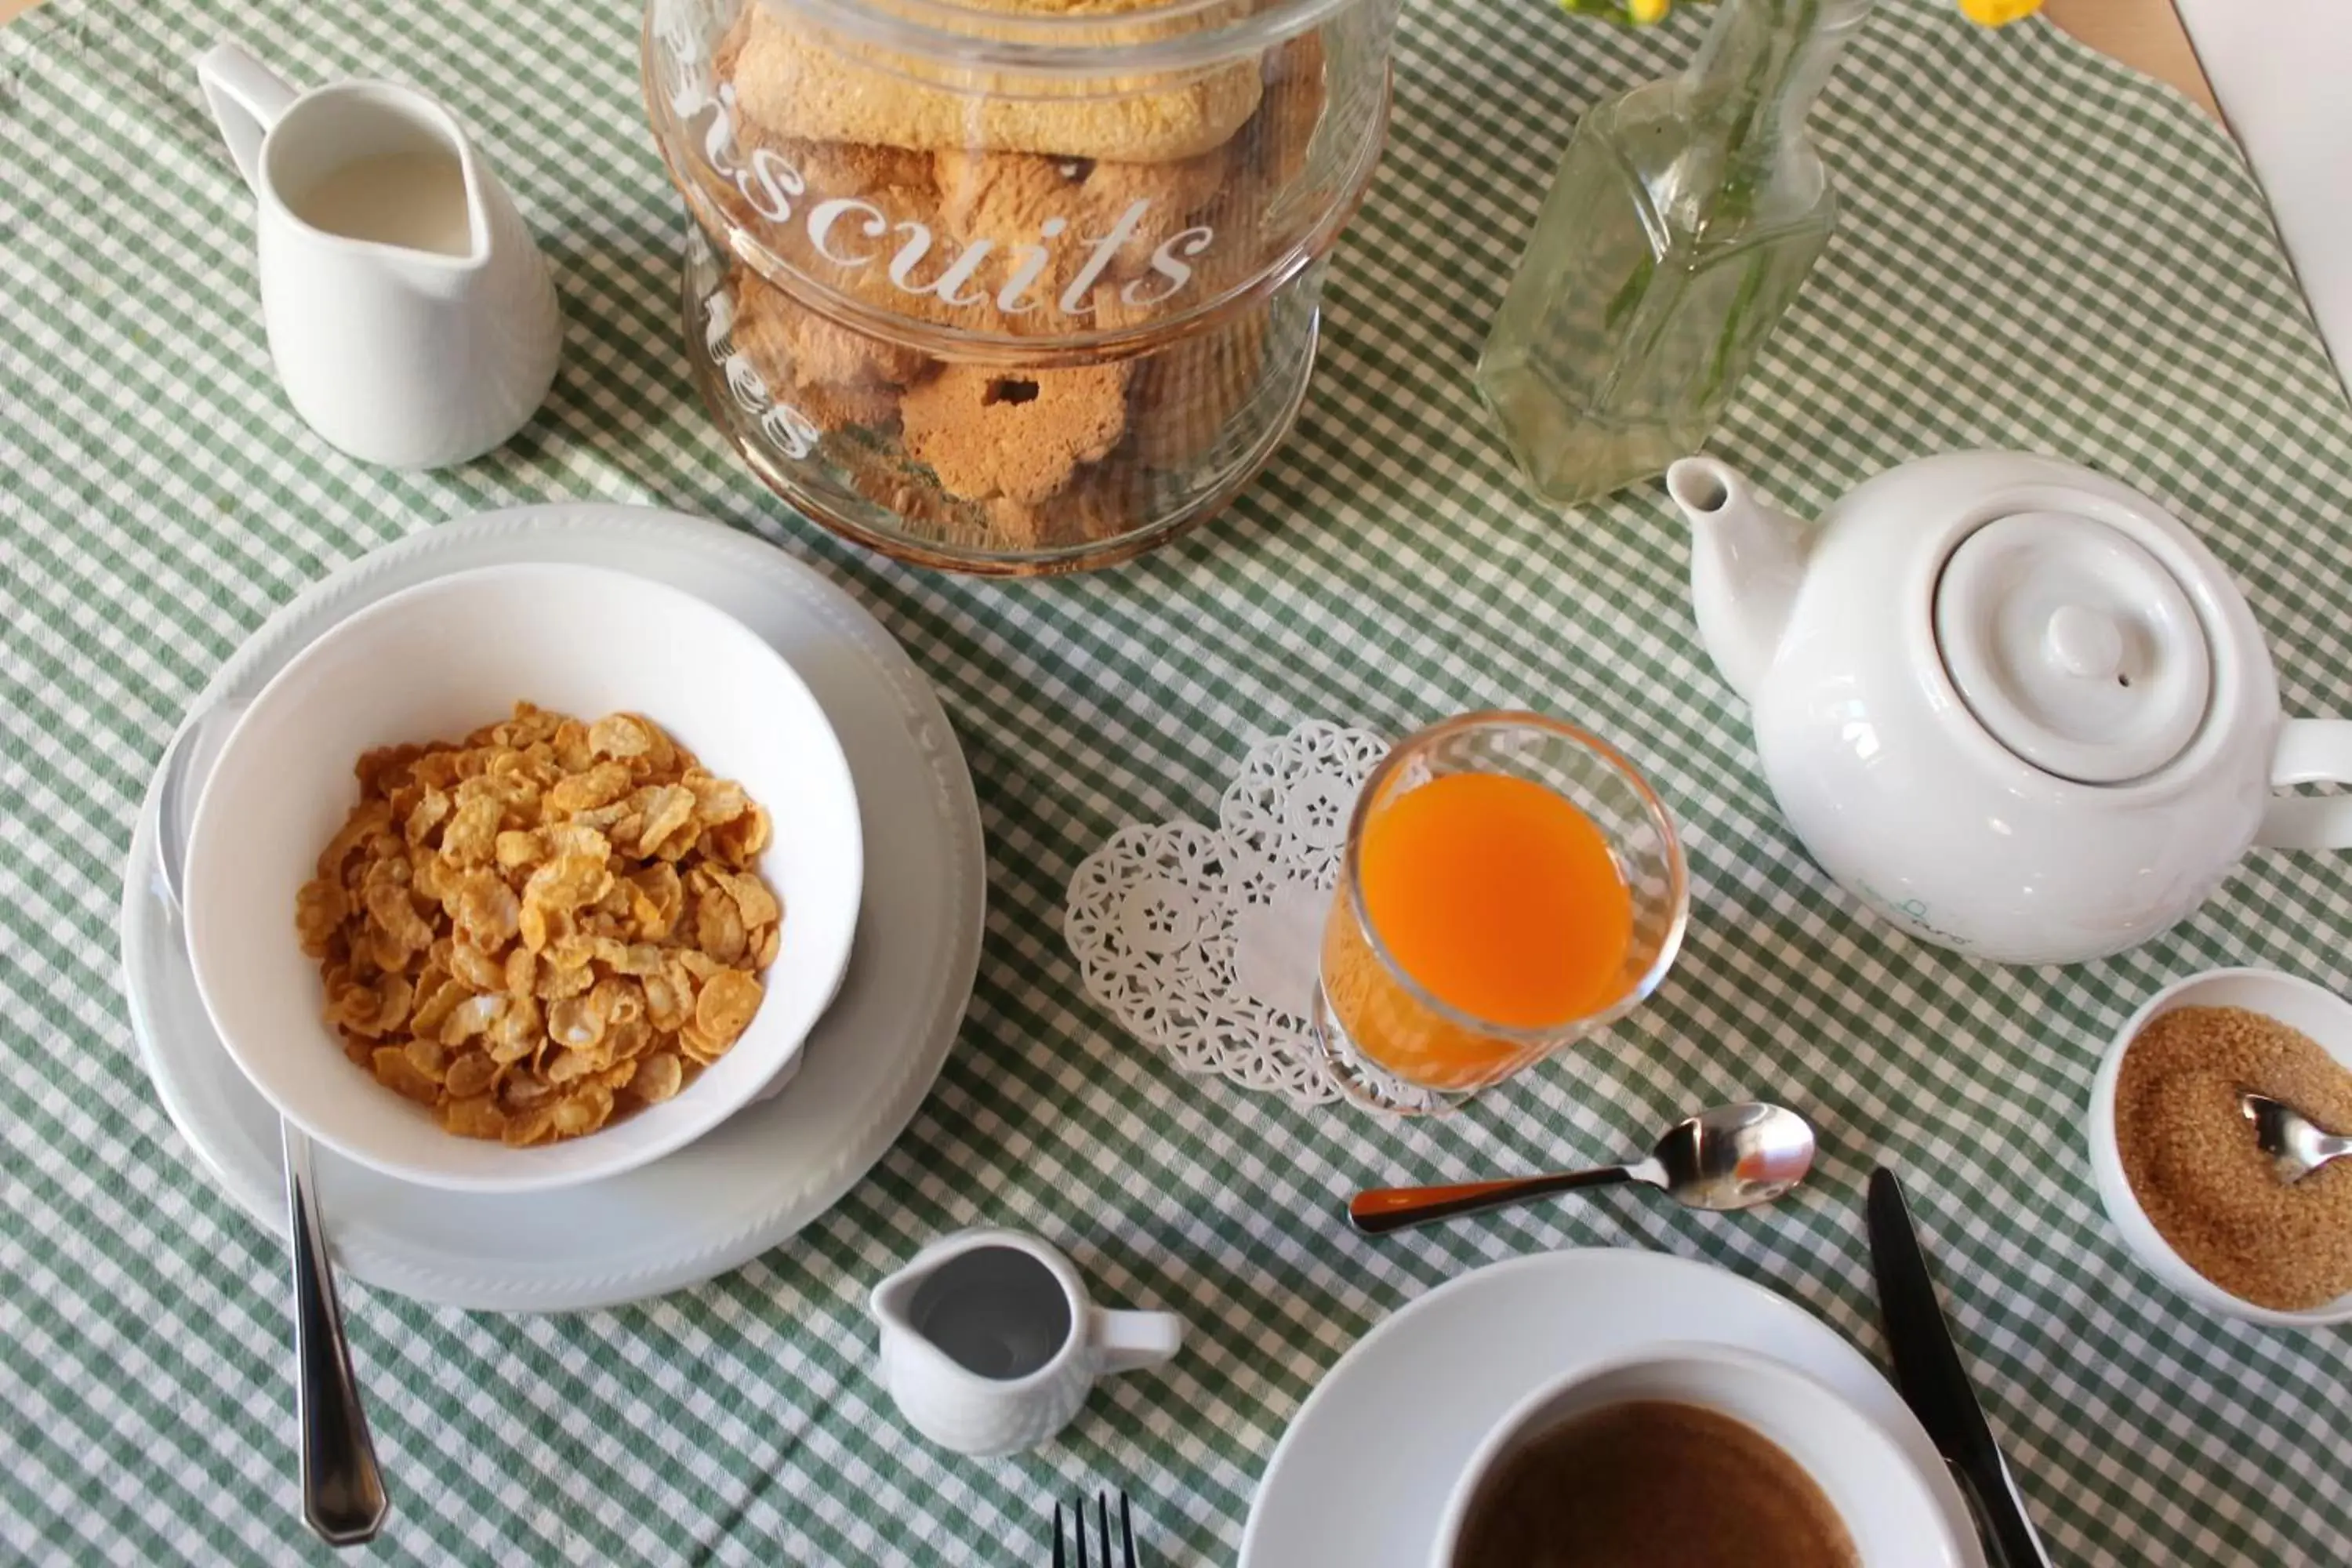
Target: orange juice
x=1499 y=899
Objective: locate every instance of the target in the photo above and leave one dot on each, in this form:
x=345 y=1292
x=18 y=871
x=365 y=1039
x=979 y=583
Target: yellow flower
x=1648 y=13
x=1998 y=13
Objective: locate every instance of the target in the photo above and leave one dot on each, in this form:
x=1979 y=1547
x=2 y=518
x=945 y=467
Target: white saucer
x=772 y=1167
x=1362 y=1477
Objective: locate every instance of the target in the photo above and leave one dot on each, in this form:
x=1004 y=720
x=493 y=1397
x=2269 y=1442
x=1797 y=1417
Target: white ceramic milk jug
x=990 y=1343
x=409 y=310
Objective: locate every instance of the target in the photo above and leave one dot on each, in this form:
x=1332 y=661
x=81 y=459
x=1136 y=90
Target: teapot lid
x=2073 y=645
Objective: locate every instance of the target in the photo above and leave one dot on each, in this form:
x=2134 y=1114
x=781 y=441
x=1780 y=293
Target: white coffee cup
x=1885 y=1504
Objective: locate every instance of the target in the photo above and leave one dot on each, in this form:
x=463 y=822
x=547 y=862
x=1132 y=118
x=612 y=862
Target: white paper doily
x=1204 y=941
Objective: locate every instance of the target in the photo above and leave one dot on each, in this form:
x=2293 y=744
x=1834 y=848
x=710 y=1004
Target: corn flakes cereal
x=543 y=927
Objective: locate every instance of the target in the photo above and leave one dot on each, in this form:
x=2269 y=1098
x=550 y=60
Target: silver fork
x=1102 y=1533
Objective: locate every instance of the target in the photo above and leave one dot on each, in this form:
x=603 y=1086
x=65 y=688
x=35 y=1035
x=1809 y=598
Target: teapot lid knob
x=2073 y=645
x=2086 y=642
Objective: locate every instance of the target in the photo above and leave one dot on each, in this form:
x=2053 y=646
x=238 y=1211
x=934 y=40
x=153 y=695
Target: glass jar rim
x=1090 y=44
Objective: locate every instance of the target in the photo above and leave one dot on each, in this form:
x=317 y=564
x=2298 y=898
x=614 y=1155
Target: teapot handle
x=1129 y=1342
x=247 y=99
x=2310 y=751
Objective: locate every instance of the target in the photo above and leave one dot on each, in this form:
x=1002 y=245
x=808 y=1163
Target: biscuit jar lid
x=1019 y=173
x=2073 y=645
x=1067 y=39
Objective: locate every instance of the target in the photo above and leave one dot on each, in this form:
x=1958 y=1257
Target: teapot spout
x=1746 y=559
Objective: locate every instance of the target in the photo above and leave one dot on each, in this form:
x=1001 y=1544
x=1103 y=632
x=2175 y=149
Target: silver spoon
x=343 y=1500
x=1732 y=1157
x=2296 y=1148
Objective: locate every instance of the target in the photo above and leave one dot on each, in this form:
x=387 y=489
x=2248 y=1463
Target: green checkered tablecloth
x=2039 y=250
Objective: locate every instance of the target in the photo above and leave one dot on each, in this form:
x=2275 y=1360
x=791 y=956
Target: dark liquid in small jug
x=994 y=1310
x=1656 y=1484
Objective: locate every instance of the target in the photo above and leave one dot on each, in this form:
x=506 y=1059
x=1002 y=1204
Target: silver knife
x=1927 y=1369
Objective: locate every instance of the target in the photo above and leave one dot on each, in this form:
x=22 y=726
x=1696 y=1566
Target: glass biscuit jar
x=1012 y=287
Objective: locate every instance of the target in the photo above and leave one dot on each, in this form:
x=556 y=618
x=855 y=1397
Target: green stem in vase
x=1683 y=220
x=1765 y=106
x=1628 y=298
x=1749 y=155
x=1724 y=366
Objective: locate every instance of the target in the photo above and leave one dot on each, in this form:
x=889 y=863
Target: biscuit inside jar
x=1020 y=458
x=802 y=82
x=990 y=435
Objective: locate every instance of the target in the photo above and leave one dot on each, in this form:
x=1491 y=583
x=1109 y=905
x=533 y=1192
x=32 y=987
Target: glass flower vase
x=1684 y=220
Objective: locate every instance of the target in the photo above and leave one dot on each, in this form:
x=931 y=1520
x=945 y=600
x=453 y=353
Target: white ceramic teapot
x=2012 y=705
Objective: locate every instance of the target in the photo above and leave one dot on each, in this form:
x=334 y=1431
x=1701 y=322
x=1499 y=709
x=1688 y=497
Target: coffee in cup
x=1691 y=1455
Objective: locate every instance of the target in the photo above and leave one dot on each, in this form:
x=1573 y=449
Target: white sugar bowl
x=2012 y=706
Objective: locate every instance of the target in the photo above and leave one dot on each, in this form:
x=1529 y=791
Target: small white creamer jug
x=409 y=310
x=990 y=1343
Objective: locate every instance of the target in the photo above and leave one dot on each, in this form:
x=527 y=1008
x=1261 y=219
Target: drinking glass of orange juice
x=1510 y=884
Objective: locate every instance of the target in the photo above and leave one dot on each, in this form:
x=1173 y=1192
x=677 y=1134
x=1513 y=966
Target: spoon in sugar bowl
x=2296 y=1146
x=1732 y=1157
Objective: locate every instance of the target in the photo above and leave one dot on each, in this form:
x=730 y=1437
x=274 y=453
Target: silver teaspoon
x=343 y=1500
x=2296 y=1147
x=1732 y=1157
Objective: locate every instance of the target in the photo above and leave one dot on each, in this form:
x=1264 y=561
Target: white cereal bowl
x=2298 y=1004
x=1889 y=1512
x=432 y=663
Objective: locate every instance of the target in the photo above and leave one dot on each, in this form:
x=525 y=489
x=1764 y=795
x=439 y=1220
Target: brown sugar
x=2193 y=1164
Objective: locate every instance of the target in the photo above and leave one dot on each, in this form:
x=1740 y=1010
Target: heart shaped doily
x=1204 y=941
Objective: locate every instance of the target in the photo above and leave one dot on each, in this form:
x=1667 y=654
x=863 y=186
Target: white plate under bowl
x=770 y=1169
x=440 y=661
x=1362 y=1476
